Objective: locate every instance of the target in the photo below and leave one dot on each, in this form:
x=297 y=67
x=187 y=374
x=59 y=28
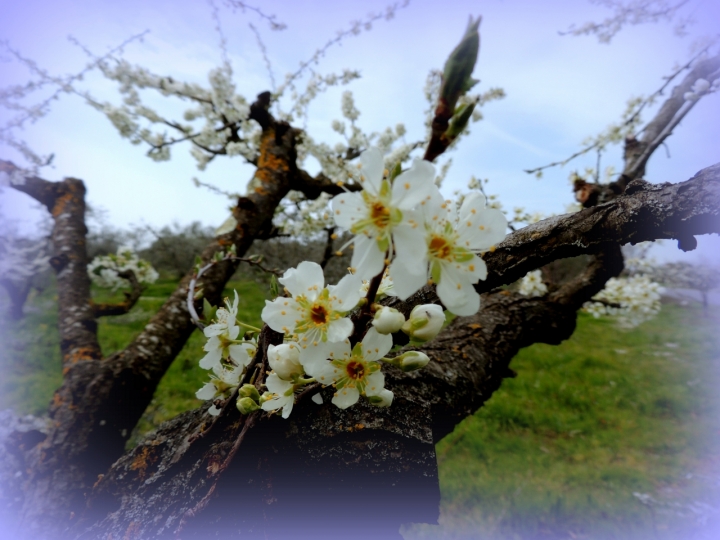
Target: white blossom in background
x=532 y=284
x=223 y=343
x=104 y=270
x=632 y=300
x=20 y=259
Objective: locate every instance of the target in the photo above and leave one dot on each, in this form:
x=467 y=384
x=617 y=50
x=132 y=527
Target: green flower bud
x=383 y=399
x=249 y=391
x=388 y=320
x=425 y=322
x=246 y=405
x=412 y=360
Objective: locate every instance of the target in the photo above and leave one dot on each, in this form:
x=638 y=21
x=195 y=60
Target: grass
x=611 y=435
x=594 y=439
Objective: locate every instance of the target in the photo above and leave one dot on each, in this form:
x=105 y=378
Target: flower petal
x=376 y=345
x=414 y=185
x=367 y=258
x=206 y=392
x=346 y=293
x=348 y=208
x=307 y=279
x=281 y=314
x=340 y=330
x=372 y=166
x=346 y=397
x=407 y=279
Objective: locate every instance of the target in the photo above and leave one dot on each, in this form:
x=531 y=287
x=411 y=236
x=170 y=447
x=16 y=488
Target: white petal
x=373 y=166
x=206 y=392
x=345 y=397
x=414 y=185
x=346 y=293
x=317 y=398
x=239 y=355
x=367 y=258
x=375 y=383
x=407 y=280
x=483 y=229
x=306 y=279
x=348 y=208
x=211 y=359
x=409 y=240
x=340 y=330
x=457 y=293
x=281 y=314
x=376 y=345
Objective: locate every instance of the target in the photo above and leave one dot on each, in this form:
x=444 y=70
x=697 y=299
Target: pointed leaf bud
x=460 y=121
x=412 y=360
x=388 y=320
x=459 y=66
x=246 y=405
x=425 y=322
x=274 y=287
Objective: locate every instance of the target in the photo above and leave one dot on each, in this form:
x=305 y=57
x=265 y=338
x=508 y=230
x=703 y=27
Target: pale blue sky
x=560 y=90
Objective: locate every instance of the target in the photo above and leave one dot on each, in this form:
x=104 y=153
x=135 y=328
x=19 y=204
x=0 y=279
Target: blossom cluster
x=105 y=270
x=405 y=236
x=532 y=284
x=633 y=300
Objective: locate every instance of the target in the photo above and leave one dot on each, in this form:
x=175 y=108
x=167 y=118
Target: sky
x=560 y=90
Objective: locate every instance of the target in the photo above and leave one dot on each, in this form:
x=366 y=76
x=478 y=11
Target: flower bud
x=246 y=405
x=285 y=360
x=460 y=120
x=383 y=399
x=425 y=322
x=249 y=391
x=388 y=320
x=412 y=360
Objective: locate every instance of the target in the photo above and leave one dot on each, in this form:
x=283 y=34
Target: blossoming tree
x=324 y=420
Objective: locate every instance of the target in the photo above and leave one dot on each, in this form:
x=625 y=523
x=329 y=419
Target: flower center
x=380 y=215
x=319 y=314
x=440 y=248
x=355 y=370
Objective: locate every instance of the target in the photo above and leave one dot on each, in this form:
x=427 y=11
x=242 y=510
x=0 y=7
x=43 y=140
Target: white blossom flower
x=353 y=372
x=222 y=382
x=386 y=287
x=380 y=213
x=314 y=311
x=632 y=300
x=281 y=394
x=452 y=240
x=532 y=284
x=222 y=339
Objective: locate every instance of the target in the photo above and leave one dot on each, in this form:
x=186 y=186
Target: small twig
x=328 y=254
x=190 y=301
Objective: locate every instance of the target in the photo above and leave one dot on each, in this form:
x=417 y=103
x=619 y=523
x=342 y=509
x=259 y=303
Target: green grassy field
x=612 y=435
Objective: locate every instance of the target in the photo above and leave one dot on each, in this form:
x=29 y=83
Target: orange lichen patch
x=474 y=326
x=224 y=242
x=65 y=370
x=142 y=461
x=100 y=477
x=268 y=162
x=359 y=426
x=506 y=293
x=81 y=353
x=214 y=466
x=132 y=531
x=261 y=190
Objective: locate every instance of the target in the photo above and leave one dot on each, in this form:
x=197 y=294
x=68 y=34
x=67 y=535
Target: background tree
x=191 y=478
